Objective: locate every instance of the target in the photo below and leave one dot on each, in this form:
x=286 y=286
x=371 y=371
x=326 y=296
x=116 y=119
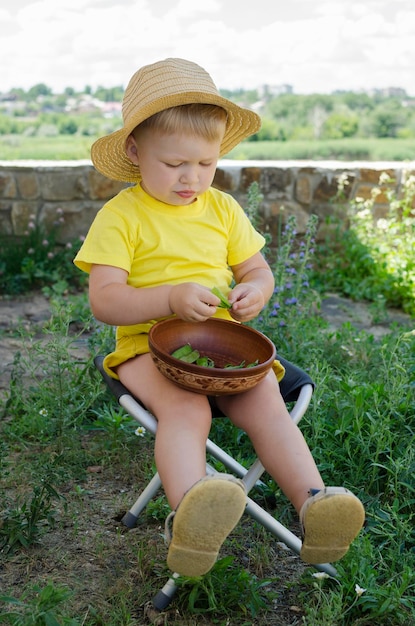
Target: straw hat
x=157 y=87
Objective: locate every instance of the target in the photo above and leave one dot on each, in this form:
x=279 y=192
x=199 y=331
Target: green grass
x=70 y=147
x=336 y=149
x=60 y=148
x=71 y=464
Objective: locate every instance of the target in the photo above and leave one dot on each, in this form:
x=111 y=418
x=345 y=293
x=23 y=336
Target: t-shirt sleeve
x=108 y=242
x=244 y=240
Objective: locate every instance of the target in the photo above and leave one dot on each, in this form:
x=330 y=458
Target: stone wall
x=75 y=191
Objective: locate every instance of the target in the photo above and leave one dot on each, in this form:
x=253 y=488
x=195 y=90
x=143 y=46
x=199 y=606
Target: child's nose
x=189 y=176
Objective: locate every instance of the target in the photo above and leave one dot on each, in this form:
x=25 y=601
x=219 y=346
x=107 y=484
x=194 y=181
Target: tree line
x=285 y=117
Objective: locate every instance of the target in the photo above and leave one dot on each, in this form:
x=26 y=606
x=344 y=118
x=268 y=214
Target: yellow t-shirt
x=159 y=244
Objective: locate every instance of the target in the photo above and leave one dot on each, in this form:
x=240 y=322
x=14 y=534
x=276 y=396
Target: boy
x=156 y=250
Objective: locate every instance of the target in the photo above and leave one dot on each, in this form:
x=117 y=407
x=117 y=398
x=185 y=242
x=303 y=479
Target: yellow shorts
x=130 y=346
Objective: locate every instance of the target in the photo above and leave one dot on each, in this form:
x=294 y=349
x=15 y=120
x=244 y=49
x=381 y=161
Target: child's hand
x=247 y=301
x=192 y=302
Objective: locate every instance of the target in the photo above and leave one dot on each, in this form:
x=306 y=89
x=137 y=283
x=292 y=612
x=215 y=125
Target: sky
x=315 y=46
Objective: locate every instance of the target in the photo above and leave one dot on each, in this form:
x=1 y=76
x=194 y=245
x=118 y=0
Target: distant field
x=60 y=148
x=336 y=149
x=69 y=147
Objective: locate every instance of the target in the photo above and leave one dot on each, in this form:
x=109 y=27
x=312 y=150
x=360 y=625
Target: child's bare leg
x=184 y=421
x=279 y=444
x=332 y=517
x=205 y=508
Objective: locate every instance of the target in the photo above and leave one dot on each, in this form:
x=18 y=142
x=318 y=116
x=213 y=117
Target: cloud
x=313 y=46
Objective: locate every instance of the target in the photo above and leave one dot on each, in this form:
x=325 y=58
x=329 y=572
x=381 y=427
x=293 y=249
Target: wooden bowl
x=225 y=342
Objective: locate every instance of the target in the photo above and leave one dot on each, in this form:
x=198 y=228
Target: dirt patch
x=25 y=312
x=22 y=315
x=337 y=311
x=105 y=565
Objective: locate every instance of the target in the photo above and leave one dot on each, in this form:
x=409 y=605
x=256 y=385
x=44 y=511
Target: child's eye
x=173 y=164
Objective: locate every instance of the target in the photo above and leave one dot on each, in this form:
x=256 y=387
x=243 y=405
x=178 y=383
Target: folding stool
x=296 y=386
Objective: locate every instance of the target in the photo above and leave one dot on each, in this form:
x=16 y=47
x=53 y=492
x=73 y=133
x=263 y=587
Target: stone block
x=366 y=191
x=279 y=214
x=102 y=188
x=8 y=188
x=225 y=180
x=6 y=226
x=28 y=185
x=303 y=189
x=276 y=181
x=62 y=184
x=70 y=220
x=372 y=175
x=23 y=212
x=326 y=189
x=249 y=175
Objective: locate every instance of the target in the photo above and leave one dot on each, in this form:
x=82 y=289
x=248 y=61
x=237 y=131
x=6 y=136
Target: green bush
x=374 y=258
x=36 y=260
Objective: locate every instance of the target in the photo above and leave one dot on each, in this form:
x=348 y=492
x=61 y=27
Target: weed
x=37 y=259
x=223 y=590
x=51 y=390
x=22 y=525
x=294 y=299
x=158 y=508
x=38 y=607
x=116 y=423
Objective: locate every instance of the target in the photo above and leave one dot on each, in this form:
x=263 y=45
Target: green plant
x=158 y=508
x=38 y=607
x=37 y=259
x=224 y=590
x=291 y=264
x=51 y=390
x=304 y=146
x=294 y=299
x=116 y=423
x=22 y=525
x=360 y=429
x=373 y=259
x=343 y=601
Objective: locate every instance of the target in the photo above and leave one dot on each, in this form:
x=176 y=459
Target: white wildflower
x=359 y=590
x=382 y=224
x=384 y=178
x=140 y=431
x=320 y=575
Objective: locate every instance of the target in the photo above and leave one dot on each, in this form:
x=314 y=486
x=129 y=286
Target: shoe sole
x=208 y=512
x=331 y=519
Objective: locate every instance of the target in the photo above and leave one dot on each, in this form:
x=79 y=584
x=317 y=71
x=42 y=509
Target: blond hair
x=200 y=120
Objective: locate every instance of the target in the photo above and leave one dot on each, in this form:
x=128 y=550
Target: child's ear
x=131 y=149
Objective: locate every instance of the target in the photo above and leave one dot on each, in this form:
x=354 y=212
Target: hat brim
x=108 y=153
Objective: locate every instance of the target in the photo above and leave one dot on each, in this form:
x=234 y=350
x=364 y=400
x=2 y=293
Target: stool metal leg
x=283 y=534
x=250 y=477
x=130 y=518
x=163 y=597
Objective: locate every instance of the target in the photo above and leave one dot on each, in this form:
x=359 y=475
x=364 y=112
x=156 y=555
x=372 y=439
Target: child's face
x=175 y=169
